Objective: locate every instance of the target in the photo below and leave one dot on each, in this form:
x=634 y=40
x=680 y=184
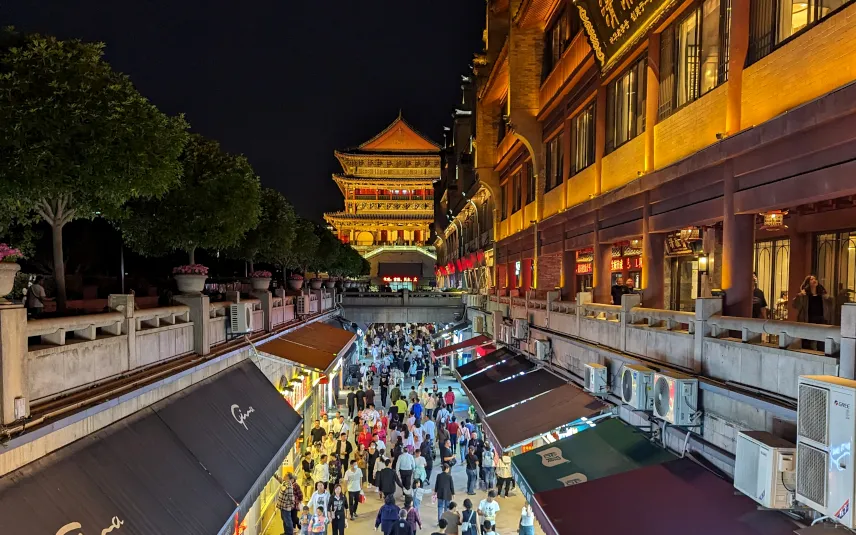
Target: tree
x=327 y=252
x=214 y=205
x=273 y=237
x=303 y=249
x=77 y=139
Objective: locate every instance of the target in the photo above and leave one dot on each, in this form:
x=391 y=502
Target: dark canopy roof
x=502 y=371
x=476 y=365
x=499 y=395
x=184 y=465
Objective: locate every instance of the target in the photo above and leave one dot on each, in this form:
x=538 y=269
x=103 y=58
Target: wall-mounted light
x=703 y=264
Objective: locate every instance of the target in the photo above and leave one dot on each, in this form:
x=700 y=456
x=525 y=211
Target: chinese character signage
x=584 y=268
x=614 y=25
x=400 y=279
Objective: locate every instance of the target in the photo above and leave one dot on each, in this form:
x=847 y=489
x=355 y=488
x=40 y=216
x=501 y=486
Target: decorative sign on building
x=400 y=279
x=613 y=26
x=584 y=268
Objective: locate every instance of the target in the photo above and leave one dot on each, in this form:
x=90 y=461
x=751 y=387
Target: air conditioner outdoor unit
x=521 y=329
x=240 y=318
x=302 y=303
x=676 y=398
x=825 y=435
x=595 y=378
x=765 y=468
x=637 y=383
x=478 y=324
x=542 y=349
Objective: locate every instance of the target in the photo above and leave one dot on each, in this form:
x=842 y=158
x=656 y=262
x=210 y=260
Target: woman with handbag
x=469 y=519
x=338 y=511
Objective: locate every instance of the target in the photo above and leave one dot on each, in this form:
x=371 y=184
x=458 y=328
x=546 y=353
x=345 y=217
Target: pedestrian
x=489 y=528
x=412 y=514
x=405 y=466
x=395 y=393
x=416 y=410
x=419 y=465
x=503 y=474
x=318 y=524
x=335 y=468
x=489 y=466
x=351 y=401
x=453 y=428
x=337 y=516
x=618 y=289
x=317 y=433
x=305 y=521
x=527 y=521
x=413 y=369
x=418 y=492
x=469 y=519
x=472 y=470
x=372 y=458
x=320 y=499
x=446 y=454
x=427 y=453
x=286 y=503
x=36 y=297
x=321 y=472
x=307 y=465
x=453 y=519
x=384 y=387
x=444 y=491
x=360 y=396
x=387 y=515
x=488 y=508
x=449 y=398
x=430 y=404
x=464 y=437
x=370 y=395
x=402 y=526
x=354 y=483
x=343 y=449
x=387 y=479
x=441 y=525
x=813 y=306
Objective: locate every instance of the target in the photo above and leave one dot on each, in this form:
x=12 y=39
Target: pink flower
x=9 y=254
x=191 y=269
x=295 y=277
x=261 y=274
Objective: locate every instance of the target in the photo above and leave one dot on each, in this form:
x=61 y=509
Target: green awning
x=609 y=448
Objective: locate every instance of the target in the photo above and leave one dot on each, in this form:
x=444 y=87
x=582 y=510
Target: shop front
x=627 y=263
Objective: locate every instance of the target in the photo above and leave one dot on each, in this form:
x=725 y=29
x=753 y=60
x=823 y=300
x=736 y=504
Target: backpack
x=401 y=528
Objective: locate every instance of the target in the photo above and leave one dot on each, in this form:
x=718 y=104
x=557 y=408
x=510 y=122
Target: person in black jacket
x=427 y=454
x=351 y=401
x=337 y=511
x=387 y=479
x=618 y=289
x=361 y=398
x=444 y=490
x=344 y=449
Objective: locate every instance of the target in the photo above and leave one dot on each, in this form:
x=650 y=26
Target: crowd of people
x=396 y=426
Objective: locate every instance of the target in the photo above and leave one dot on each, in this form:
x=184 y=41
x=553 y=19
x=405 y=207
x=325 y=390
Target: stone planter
x=315 y=284
x=260 y=284
x=190 y=284
x=330 y=284
x=8 y=270
x=295 y=284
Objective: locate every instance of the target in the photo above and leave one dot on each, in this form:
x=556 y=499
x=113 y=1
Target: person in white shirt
x=321 y=472
x=503 y=475
x=325 y=422
x=429 y=429
x=489 y=465
x=527 y=521
x=381 y=447
x=404 y=466
x=443 y=416
x=488 y=508
x=353 y=481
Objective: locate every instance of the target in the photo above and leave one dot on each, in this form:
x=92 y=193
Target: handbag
x=465 y=526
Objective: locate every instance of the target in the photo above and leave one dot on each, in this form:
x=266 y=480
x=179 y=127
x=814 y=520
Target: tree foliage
x=77 y=138
x=214 y=205
x=328 y=251
x=273 y=237
x=303 y=249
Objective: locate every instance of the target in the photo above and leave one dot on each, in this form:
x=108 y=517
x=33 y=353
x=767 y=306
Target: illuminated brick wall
x=815 y=63
x=549 y=271
x=623 y=164
x=580 y=186
x=553 y=201
x=691 y=128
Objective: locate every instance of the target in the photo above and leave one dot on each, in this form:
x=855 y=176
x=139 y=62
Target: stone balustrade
x=42 y=359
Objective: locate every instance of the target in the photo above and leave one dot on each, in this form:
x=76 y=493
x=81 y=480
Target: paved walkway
x=507 y=519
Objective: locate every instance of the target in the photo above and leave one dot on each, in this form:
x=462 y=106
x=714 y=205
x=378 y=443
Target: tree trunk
x=191 y=254
x=252 y=266
x=59 y=265
x=56 y=213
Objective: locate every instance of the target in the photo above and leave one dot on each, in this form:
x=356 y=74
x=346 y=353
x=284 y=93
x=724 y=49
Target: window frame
x=516 y=192
x=503 y=191
x=671 y=67
x=531 y=182
x=555 y=145
x=590 y=112
x=757 y=51
x=638 y=68
x=568 y=27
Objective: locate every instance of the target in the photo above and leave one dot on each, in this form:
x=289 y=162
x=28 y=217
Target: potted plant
x=315 y=283
x=330 y=283
x=8 y=269
x=190 y=278
x=295 y=282
x=260 y=280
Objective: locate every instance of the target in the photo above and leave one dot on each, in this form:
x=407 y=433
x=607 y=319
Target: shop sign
x=584 y=269
x=614 y=25
x=400 y=279
x=617 y=264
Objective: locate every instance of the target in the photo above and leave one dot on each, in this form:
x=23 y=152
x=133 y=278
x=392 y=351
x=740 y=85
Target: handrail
x=788 y=331
x=52 y=330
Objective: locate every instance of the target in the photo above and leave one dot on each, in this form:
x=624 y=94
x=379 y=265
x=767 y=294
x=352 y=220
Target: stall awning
x=543 y=414
x=475 y=366
x=499 y=395
x=485 y=349
x=673 y=498
x=185 y=465
x=466 y=344
x=611 y=447
x=501 y=372
x=318 y=348
x=451 y=329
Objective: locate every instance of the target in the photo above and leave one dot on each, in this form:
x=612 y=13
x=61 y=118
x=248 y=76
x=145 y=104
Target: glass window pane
x=793 y=17
x=688 y=59
x=825 y=7
x=710 y=45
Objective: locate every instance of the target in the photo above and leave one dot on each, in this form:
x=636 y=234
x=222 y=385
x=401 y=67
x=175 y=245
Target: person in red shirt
x=365 y=437
x=449 y=398
x=453 y=428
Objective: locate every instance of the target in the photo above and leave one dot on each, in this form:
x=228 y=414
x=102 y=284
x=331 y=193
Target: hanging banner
x=613 y=26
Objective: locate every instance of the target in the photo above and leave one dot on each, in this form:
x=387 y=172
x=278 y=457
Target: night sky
x=284 y=82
